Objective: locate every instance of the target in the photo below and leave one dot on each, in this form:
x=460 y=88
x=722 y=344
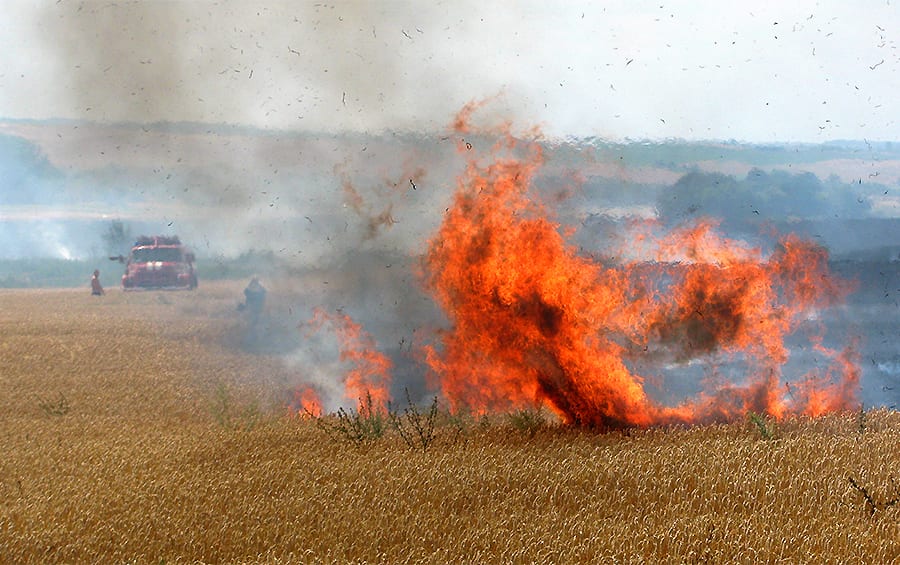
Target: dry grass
x=130 y=433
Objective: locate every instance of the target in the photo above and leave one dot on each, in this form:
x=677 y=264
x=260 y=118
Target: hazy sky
x=751 y=71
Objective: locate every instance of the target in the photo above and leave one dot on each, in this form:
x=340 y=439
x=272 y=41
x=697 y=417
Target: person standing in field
x=96 y=287
x=255 y=299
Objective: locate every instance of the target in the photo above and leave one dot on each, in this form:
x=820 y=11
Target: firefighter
x=96 y=287
x=254 y=299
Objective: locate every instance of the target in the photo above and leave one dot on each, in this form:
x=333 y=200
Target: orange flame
x=833 y=390
x=532 y=322
x=307 y=402
x=370 y=371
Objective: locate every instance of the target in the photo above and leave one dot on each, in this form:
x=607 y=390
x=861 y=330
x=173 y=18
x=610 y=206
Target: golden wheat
x=131 y=431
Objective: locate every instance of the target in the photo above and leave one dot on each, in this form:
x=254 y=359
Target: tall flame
x=532 y=322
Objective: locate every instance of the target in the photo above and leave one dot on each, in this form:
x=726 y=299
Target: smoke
x=320 y=202
x=276 y=65
x=299 y=71
x=170 y=87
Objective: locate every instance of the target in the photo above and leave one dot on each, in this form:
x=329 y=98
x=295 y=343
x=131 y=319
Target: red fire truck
x=158 y=262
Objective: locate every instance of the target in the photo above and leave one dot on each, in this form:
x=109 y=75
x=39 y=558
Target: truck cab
x=158 y=262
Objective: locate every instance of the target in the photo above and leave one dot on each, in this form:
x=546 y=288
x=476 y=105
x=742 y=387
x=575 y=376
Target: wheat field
x=133 y=431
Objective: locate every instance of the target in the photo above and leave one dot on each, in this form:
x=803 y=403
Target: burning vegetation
x=532 y=321
x=187 y=456
x=369 y=376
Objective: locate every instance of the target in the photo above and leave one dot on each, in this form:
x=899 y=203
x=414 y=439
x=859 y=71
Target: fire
x=369 y=375
x=524 y=307
x=307 y=402
x=829 y=392
x=532 y=322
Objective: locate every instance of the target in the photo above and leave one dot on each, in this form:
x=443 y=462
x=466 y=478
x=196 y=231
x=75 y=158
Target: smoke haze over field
x=810 y=71
x=323 y=134
x=283 y=117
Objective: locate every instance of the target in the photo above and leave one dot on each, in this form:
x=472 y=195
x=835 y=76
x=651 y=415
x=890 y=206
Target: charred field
x=133 y=429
